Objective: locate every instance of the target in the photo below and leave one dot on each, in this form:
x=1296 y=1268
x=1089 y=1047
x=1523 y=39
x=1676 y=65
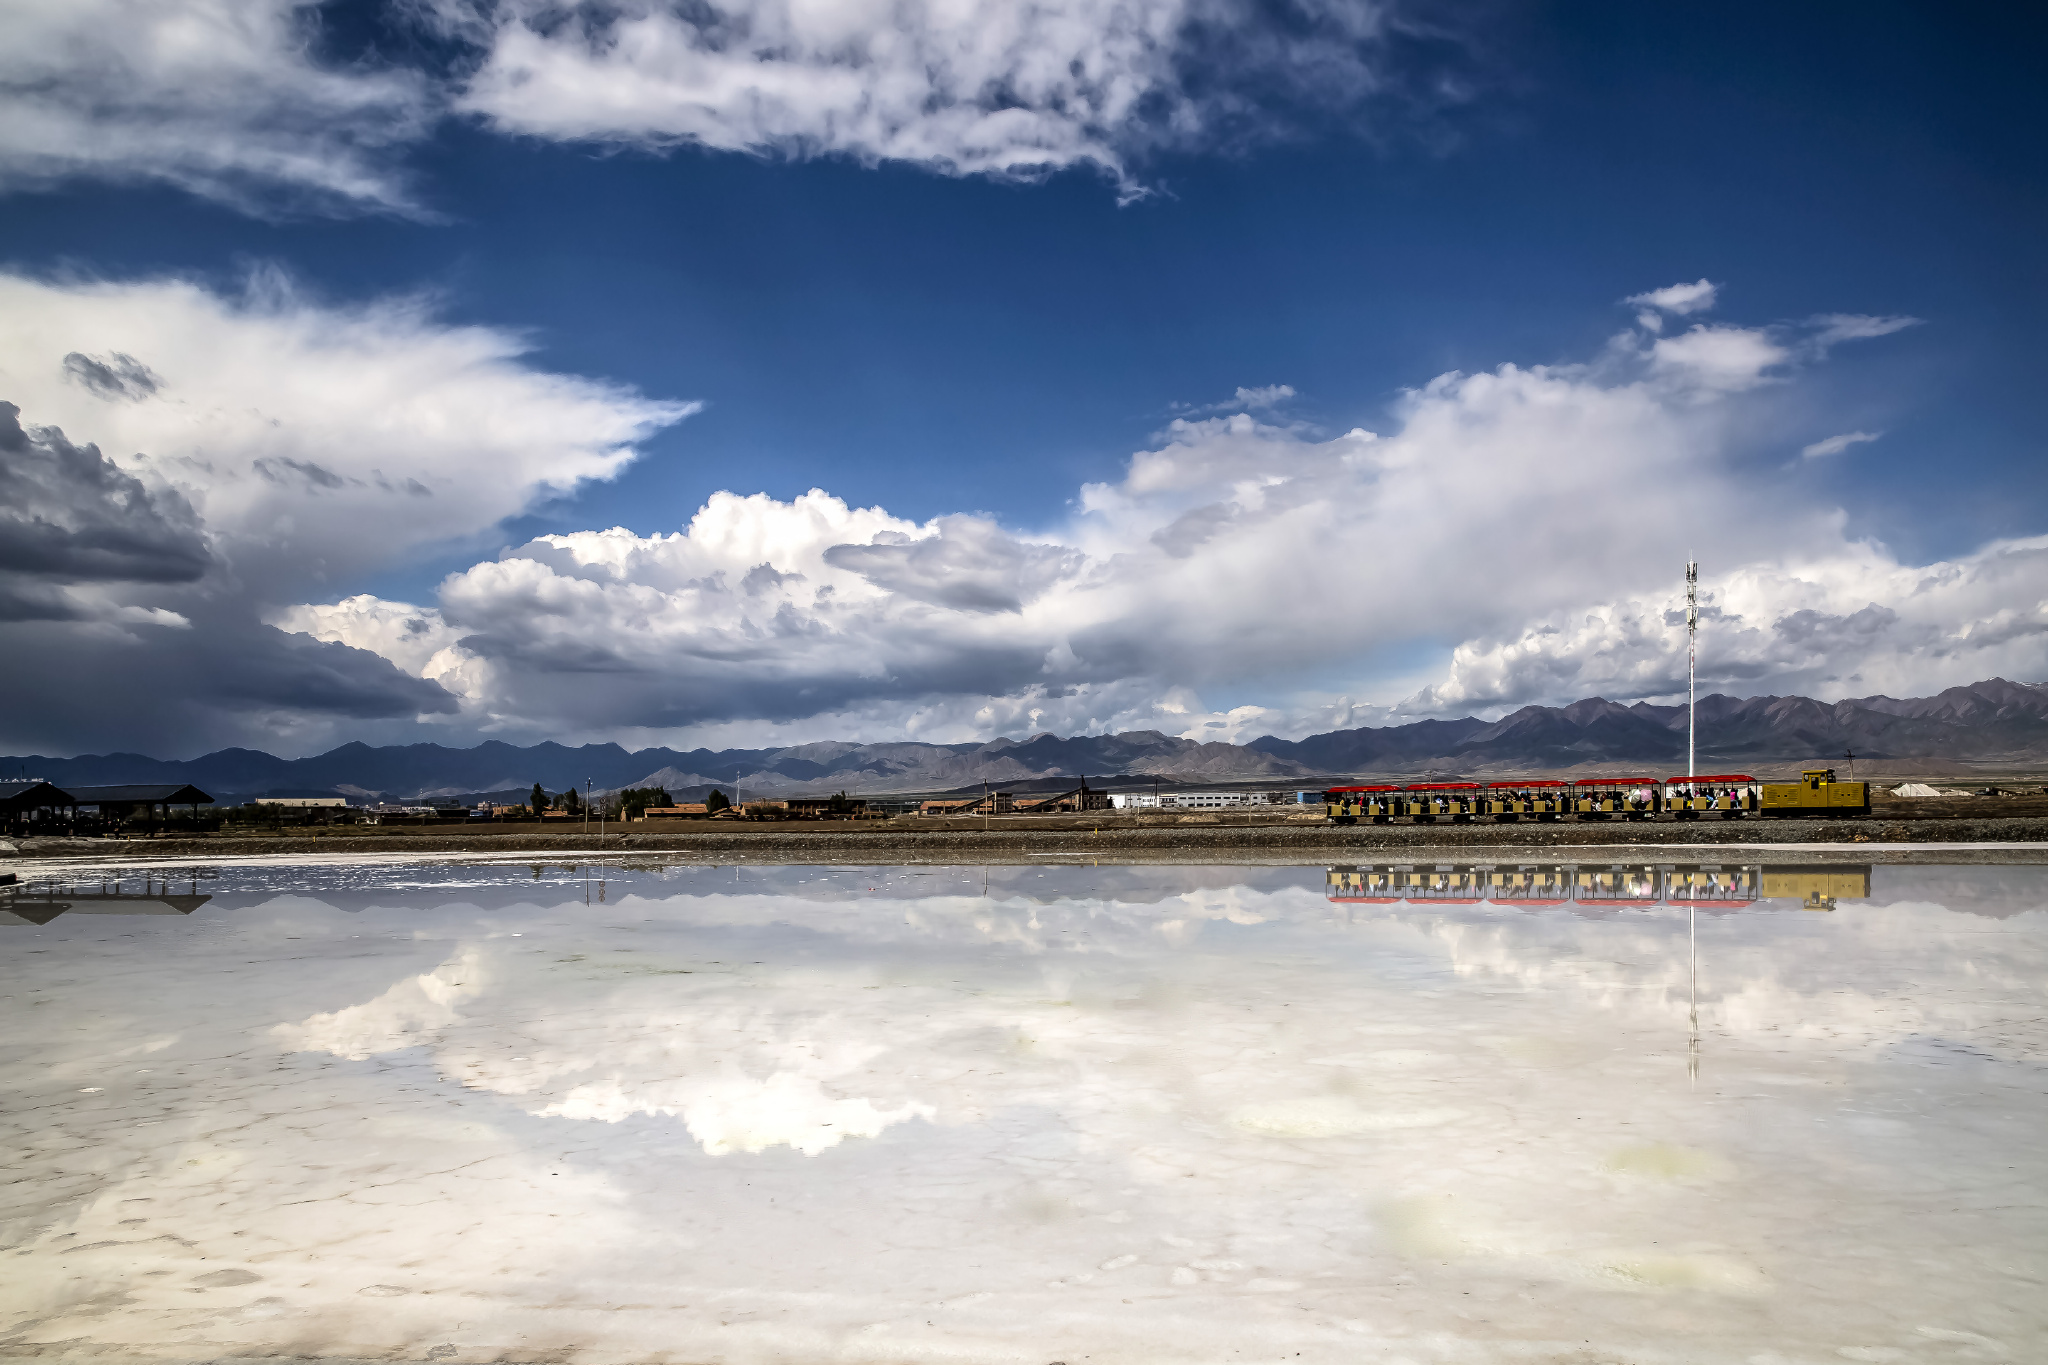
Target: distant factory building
x=681 y=810
x=1081 y=798
x=995 y=803
x=1199 y=800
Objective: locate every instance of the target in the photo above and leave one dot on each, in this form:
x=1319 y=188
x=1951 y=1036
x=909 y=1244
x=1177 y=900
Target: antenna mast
x=1692 y=632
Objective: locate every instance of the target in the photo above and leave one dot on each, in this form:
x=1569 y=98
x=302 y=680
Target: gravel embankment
x=894 y=840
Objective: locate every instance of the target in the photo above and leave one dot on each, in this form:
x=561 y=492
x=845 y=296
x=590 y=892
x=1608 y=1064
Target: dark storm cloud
x=70 y=518
x=113 y=376
x=299 y=673
x=225 y=680
x=26 y=600
x=697 y=690
x=69 y=515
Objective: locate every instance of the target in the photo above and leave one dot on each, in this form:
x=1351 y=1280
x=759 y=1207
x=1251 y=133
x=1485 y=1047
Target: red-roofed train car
x=1727 y=795
x=1349 y=805
x=1611 y=798
x=1508 y=802
x=1428 y=802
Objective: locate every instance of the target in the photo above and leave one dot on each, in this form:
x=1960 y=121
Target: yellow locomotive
x=1816 y=793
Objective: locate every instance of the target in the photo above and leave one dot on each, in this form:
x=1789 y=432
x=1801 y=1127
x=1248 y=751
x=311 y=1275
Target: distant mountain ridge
x=1994 y=719
x=1991 y=721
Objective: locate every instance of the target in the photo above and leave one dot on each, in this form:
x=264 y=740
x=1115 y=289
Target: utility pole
x=1692 y=634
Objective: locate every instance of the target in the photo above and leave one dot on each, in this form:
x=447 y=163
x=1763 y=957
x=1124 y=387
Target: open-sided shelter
x=22 y=801
x=124 y=803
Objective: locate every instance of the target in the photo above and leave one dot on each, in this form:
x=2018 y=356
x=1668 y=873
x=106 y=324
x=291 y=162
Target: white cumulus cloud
x=1681 y=299
x=1718 y=359
x=1265 y=396
x=316 y=440
x=1846 y=620
x=1516 y=525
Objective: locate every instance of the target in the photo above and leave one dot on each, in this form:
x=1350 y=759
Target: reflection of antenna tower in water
x=1692 y=1046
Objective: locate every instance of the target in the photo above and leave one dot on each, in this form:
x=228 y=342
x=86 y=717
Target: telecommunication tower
x=1692 y=932
x=1692 y=633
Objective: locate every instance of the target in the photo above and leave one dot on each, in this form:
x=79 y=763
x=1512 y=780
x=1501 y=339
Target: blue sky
x=941 y=344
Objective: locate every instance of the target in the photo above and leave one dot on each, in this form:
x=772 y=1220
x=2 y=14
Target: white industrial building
x=1195 y=800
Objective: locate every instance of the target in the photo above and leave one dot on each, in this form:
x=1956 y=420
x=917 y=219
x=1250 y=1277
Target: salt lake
x=1430 y=1113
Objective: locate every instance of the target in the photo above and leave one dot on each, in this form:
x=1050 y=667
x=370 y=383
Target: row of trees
x=630 y=802
x=570 y=801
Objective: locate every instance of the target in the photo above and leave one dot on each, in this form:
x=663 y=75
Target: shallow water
x=1028 y=1114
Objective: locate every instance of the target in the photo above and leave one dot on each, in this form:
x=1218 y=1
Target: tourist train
x=1728 y=796
x=1712 y=887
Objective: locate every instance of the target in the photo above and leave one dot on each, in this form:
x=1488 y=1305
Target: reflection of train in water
x=1729 y=796
x=1585 y=886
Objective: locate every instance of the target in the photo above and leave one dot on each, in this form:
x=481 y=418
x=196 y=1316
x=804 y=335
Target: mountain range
x=1987 y=723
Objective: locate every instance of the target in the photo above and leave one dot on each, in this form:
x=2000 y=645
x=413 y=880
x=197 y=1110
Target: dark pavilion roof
x=31 y=795
x=176 y=795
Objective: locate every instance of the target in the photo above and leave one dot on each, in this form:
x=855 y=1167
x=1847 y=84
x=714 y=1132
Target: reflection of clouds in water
x=1072 y=1019
x=741 y=1078
x=1860 y=976
x=1228 y=1094
x=740 y=1114
x=358 y=883
x=1036 y=924
x=412 y=1012
x=848 y=1049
